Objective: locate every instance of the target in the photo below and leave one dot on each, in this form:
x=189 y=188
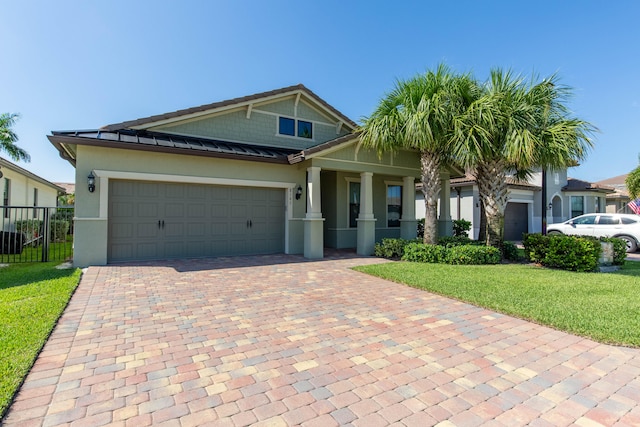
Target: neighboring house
x=274 y=172
x=566 y=198
x=21 y=188
x=617 y=202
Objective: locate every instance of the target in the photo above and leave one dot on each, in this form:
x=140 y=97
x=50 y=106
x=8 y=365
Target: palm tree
x=515 y=127
x=418 y=114
x=633 y=182
x=8 y=138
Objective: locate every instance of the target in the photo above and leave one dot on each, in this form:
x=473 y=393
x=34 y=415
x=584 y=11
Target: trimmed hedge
x=391 y=248
x=575 y=253
x=457 y=254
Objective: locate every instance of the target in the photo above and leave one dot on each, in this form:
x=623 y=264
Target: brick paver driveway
x=278 y=340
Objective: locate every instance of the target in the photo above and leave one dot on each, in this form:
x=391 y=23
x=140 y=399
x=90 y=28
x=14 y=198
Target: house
x=617 y=202
x=274 y=172
x=566 y=198
x=21 y=188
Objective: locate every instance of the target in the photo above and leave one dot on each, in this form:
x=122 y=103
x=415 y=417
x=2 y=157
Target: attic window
x=293 y=127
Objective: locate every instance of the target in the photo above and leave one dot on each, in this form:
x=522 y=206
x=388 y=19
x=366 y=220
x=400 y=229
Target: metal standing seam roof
x=153 y=141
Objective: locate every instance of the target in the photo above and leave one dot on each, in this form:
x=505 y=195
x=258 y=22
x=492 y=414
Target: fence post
x=46 y=235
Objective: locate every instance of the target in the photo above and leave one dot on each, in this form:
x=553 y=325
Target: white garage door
x=160 y=220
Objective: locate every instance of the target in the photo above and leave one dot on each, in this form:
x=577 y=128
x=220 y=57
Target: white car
x=623 y=226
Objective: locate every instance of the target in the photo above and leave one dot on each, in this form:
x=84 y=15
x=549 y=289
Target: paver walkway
x=277 y=340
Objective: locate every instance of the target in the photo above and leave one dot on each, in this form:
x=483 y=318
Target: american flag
x=634 y=205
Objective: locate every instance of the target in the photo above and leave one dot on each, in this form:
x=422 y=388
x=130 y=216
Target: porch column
x=408 y=222
x=445 y=225
x=313 y=227
x=366 y=220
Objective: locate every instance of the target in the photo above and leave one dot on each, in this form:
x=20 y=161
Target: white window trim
x=295 y=128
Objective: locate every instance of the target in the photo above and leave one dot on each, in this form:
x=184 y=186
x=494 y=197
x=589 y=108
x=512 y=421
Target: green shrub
x=422 y=252
x=510 y=251
x=572 y=253
x=619 y=249
x=461 y=227
x=535 y=246
x=391 y=248
x=473 y=254
x=58 y=229
x=450 y=241
x=32 y=228
x=420 y=228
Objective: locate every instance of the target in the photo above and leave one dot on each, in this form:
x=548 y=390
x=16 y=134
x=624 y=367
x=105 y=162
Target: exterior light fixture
x=550 y=206
x=91 y=181
x=299 y=192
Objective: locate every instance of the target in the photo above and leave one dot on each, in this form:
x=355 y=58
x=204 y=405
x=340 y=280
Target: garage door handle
x=163 y=224
x=250 y=224
x=158 y=223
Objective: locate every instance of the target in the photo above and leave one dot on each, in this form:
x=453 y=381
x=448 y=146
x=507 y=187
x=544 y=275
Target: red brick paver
x=278 y=340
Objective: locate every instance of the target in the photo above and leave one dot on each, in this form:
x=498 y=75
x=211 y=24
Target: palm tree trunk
x=430 y=163
x=492 y=185
x=482 y=231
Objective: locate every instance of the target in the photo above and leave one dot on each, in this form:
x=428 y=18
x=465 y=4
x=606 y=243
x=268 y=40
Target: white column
x=313 y=221
x=408 y=223
x=445 y=225
x=314 y=209
x=366 y=220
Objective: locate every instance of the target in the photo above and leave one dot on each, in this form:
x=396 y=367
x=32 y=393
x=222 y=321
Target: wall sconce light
x=299 y=192
x=550 y=206
x=1 y=174
x=91 y=181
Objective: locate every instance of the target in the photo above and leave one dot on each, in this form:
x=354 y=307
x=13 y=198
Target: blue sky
x=84 y=64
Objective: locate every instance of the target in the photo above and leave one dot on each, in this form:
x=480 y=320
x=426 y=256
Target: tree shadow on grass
x=25 y=274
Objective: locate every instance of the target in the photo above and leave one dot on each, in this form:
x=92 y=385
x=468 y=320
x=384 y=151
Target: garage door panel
x=173 y=210
x=199 y=220
x=147 y=231
x=147 y=210
x=174 y=191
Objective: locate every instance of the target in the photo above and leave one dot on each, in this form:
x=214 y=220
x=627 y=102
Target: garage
x=516 y=221
x=164 y=220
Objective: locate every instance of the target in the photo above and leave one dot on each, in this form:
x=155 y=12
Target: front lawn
x=32 y=298
x=602 y=306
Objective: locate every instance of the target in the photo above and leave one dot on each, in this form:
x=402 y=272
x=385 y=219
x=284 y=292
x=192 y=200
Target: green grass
x=602 y=306
x=32 y=298
x=58 y=251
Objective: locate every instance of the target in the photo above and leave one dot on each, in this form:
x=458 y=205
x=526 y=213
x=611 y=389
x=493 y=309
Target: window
x=293 y=127
x=287 y=126
x=589 y=219
x=628 y=221
x=598 y=204
x=305 y=129
x=608 y=220
x=6 y=194
x=394 y=205
x=35 y=201
x=354 y=203
x=577 y=206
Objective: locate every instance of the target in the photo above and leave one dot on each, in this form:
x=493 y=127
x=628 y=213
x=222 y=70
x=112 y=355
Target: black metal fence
x=36 y=234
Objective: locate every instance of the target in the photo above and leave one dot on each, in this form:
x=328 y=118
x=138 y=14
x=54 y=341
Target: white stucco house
x=21 y=188
x=566 y=198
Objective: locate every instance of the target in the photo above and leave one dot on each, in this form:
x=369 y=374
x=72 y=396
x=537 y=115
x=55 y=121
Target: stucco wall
x=21 y=192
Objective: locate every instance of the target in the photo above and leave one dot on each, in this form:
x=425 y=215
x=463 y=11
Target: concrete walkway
x=281 y=341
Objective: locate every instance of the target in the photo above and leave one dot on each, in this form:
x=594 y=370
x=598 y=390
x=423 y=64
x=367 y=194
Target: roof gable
x=246 y=102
